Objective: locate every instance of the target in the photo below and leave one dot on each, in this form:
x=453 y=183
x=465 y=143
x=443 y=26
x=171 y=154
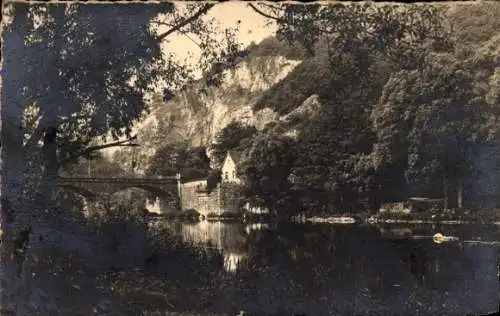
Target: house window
x=227 y=175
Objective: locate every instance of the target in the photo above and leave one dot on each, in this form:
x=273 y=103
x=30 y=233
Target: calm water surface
x=344 y=270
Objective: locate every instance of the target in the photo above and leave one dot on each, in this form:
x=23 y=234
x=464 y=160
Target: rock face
x=195 y=116
x=198 y=114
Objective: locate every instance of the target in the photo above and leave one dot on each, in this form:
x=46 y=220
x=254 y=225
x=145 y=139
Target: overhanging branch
x=122 y=143
x=180 y=31
x=188 y=20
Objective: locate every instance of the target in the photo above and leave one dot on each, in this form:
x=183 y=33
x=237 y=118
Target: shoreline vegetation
x=450 y=217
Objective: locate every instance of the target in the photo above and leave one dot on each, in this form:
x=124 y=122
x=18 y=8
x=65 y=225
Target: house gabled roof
x=235 y=155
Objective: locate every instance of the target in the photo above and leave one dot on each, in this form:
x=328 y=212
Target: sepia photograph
x=249 y=158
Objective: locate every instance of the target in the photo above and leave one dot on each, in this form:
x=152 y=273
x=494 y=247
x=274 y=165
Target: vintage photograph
x=250 y=158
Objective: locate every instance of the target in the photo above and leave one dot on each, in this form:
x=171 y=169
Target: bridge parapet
x=161 y=180
x=164 y=187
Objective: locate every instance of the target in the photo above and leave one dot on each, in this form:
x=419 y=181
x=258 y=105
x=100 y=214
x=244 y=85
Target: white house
x=229 y=167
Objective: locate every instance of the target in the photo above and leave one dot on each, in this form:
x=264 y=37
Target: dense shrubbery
x=192 y=163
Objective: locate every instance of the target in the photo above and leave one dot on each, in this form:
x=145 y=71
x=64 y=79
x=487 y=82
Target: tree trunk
x=16 y=217
x=460 y=192
x=13 y=219
x=445 y=192
x=22 y=291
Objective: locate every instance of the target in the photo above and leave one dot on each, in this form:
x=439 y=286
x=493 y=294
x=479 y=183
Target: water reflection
x=228 y=238
x=324 y=270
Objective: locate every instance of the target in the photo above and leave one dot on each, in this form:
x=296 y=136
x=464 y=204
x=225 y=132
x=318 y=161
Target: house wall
x=220 y=199
x=204 y=203
x=229 y=197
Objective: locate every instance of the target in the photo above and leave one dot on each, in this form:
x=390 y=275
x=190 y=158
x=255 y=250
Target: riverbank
x=192 y=215
x=451 y=217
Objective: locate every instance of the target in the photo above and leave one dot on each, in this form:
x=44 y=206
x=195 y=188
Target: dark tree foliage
x=309 y=77
x=192 y=163
x=235 y=136
x=330 y=167
x=98 y=62
x=86 y=54
x=399 y=109
x=436 y=117
x=214 y=178
x=266 y=169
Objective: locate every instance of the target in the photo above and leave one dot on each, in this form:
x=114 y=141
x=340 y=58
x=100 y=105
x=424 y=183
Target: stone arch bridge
x=166 y=188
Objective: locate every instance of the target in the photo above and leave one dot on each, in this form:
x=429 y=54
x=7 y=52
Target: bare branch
x=188 y=20
x=180 y=31
x=189 y=37
x=122 y=143
x=266 y=15
x=74 y=116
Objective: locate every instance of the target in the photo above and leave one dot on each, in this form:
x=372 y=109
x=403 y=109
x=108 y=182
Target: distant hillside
x=271 y=46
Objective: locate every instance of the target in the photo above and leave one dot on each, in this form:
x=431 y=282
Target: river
x=321 y=269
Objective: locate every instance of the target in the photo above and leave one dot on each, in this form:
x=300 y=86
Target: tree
x=197 y=158
x=75 y=73
x=329 y=167
x=431 y=119
x=266 y=168
x=98 y=166
x=171 y=159
x=230 y=138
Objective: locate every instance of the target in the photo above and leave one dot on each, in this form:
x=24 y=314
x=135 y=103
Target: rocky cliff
x=197 y=114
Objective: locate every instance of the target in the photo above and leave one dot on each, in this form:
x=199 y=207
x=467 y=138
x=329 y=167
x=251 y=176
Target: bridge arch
x=79 y=190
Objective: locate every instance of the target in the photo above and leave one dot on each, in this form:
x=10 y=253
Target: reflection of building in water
x=232 y=261
x=255 y=209
x=256 y=227
x=228 y=238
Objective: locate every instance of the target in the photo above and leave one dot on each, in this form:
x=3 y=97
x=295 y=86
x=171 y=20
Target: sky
x=252 y=28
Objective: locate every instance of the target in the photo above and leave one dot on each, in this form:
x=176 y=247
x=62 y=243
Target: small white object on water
x=440 y=238
x=332 y=220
